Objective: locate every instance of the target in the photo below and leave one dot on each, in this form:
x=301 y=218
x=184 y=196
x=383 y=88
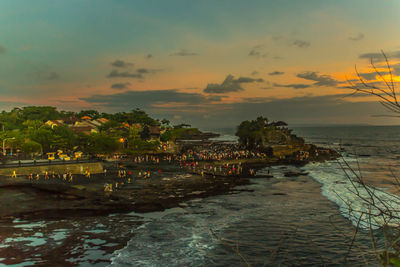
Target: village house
x=85 y=123
x=70 y=120
x=54 y=123
x=83 y=129
x=87 y=126
x=87 y=118
x=155 y=132
x=103 y=120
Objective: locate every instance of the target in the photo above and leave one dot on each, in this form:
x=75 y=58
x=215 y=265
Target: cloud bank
x=230 y=84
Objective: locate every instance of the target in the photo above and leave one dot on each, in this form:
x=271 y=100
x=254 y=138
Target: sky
x=208 y=63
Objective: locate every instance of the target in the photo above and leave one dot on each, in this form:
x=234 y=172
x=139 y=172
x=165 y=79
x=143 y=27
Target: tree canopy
x=26 y=130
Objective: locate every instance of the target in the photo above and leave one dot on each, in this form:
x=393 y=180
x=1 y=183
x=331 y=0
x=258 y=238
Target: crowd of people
x=303 y=155
x=51 y=175
x=125 y=176
x=214 y=160
x=194 y=160
x=48 y=175
x=220 y=170
x=146 y=158
x=218 y=153
x=212 y=153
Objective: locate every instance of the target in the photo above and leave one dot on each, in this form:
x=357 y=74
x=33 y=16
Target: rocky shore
x=169 y=186
x=80 y=204
x=53 y=199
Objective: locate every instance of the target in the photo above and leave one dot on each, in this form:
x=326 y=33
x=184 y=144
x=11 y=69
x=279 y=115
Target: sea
x=315 y=219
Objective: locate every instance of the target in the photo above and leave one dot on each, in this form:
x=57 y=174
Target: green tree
x=31 y=125
x=11 y=120
x=134 y=135
x=135 y=116
x=63 y=138
x=42 y=113
x=176 y=133
x=30 y=147
x=109 y=125
x=145 y=133
x=100 y=143
x=45 y=137
x=165 y=121
x=251 y=133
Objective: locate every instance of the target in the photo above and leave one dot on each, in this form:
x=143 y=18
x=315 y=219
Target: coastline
x=56 y=199
x=100 y=239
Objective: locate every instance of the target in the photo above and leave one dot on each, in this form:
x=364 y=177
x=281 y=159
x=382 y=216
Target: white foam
x=21 y=224
x=353 y=199
x=180 y=237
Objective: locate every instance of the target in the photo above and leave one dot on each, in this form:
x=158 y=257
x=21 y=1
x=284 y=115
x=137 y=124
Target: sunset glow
x=244 y=58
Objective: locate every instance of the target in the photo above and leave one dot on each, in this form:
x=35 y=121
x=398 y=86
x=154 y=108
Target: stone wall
x=285 y=150
x=79 y=168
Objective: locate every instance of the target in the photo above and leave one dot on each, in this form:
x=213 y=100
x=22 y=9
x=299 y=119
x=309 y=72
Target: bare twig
x=234 y=247
x=354 y=238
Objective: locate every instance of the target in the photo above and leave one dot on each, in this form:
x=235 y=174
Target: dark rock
x=295 y=174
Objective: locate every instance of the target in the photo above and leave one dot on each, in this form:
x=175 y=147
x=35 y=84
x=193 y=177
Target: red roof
x=156 y=130
x=102 y=120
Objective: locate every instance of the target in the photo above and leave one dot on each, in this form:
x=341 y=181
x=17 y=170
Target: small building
x=99 y=122
x=103 y=120
x=54 y=123
x=86 y=124
x=155 y=132
x=70 y=120
x=86 y=118
x=95 y=122
x=83 y=129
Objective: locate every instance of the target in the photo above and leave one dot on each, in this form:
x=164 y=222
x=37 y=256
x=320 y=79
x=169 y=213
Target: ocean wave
x=355 y=200
x=177 y=237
